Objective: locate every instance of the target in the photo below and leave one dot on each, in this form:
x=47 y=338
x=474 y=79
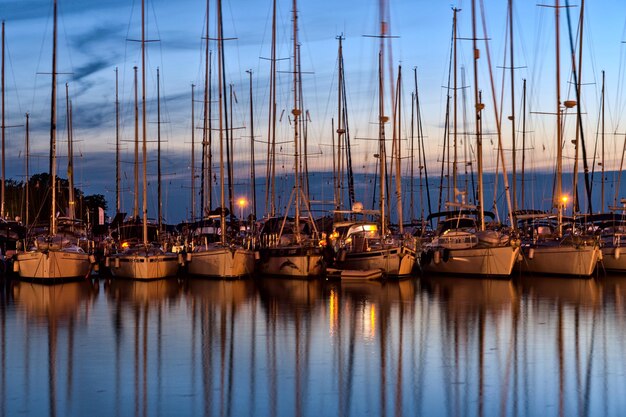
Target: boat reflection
x=140 y=313
x=60 y=309
x=216 y=337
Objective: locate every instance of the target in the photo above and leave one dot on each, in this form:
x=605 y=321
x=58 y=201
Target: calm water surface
x=436 y=347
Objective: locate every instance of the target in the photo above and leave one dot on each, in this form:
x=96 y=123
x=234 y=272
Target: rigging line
x=579 y=112
x=12 y=70
x=498 y=126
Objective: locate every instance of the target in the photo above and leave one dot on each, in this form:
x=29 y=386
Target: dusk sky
x=93 y=41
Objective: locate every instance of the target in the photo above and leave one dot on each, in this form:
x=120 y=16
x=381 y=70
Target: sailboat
x=290 y=246
x=10 y=231
x=367 y=245
x=221 y=259
x=546 y=240
x=462 y=243
x=53 y=256
x=144 y=260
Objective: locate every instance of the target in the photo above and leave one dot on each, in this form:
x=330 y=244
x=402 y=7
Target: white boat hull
x=561 y=260
x=291 y=262
x=391 y=261
x=487 y=261
x=143 y=267
x=222 y=262
x=614 y=259
x=53 y=265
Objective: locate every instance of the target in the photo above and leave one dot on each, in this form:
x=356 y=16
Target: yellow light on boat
x=242 y=202
x=124 y=245
x=564 y=199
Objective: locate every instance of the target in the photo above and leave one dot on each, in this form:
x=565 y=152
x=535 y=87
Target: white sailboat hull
x=391 y=261
x=53 y=265
x=561 y=260
x=222 y=262
x=291 y=262
x=487 y=261
x=143 y=267
x=614 y=259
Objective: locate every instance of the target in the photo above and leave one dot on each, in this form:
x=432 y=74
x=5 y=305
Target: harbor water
x=437 y=346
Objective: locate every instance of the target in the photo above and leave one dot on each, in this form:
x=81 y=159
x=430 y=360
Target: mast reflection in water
x=437 y=347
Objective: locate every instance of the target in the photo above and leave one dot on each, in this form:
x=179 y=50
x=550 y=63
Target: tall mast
x=270 y=207
x=70 y=155
x=117 y=145
x=454 y=161
x=2 y=190
x=205 y=179
x=580 y=137
x=340 y=128
x=160 y=204
x=478 y=108
x=296 y=111
x=603 y=98
x=252 y=172
x=411 y=151
x=397 y=137
x=136 y=165
x=26 y=196
x=220 y=76
x=229 y=145
x=512 y=117
x=193 y=156
x=144 y=190
x=523 y=140
x=382 y=156
x=559 y=151
x=53 y=126
x=577 y=140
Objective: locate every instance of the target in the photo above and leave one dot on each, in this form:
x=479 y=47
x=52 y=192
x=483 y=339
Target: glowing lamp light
x=242 y=202
x=564 y=199
x=125 y=245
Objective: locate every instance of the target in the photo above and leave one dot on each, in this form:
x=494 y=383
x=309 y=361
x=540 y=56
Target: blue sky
x=93 y=42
